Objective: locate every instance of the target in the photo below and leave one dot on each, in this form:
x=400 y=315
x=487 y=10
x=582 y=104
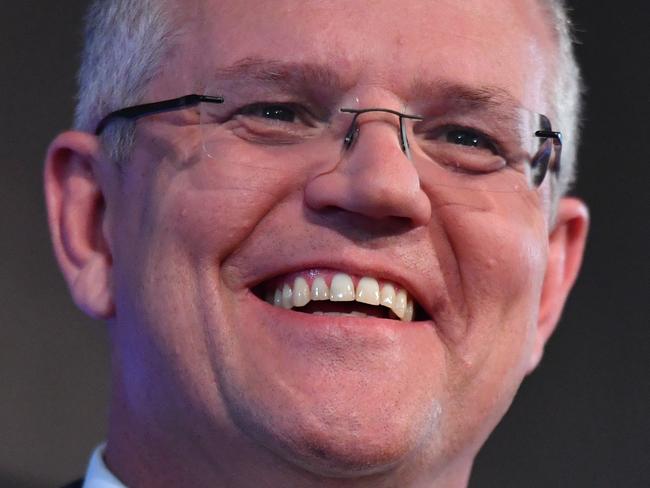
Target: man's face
x=200 y=242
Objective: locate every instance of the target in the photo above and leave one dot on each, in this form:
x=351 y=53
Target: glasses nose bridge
x=355 y=126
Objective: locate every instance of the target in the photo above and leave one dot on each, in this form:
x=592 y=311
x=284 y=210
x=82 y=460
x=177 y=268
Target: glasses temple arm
x=137 y=111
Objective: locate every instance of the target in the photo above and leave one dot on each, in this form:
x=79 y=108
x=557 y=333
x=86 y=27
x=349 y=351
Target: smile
x=340 y=294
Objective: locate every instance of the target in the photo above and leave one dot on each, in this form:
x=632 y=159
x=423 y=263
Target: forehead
x=381 y=44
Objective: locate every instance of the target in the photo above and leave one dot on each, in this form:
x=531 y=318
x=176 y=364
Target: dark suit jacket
x=74 y=484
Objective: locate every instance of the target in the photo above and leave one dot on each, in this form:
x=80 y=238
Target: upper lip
x=361 y=267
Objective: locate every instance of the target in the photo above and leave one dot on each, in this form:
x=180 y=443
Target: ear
x=76 y=215
x=566 y=248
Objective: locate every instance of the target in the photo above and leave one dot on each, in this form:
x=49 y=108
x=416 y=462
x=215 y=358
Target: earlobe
x=566 y=248
x=75 y=201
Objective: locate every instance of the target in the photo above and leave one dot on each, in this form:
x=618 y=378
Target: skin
x=214 y=387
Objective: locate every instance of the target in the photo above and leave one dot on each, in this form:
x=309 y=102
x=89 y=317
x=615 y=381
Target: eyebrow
x=465 y=96
x=294 y=76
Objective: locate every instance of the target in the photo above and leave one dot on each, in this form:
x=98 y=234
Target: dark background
x=581 y=420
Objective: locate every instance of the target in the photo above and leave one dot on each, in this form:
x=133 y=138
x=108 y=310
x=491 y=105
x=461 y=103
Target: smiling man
x=329 y=238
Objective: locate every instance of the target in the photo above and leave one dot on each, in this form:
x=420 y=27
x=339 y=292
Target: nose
x=374 y=177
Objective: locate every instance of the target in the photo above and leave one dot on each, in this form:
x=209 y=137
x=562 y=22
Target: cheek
x=218 y=203
x=498 y=249
x=501 y=265
x=178 y=218
x=209 y=203
x=180 y=213
x=499 y=254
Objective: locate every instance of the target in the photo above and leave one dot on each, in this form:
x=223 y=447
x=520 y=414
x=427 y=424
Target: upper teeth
x=342 y=289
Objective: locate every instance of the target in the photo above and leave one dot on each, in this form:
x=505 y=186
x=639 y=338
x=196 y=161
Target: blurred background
x=581 y=420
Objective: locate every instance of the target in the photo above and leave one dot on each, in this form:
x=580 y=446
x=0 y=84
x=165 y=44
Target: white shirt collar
x=98 y=475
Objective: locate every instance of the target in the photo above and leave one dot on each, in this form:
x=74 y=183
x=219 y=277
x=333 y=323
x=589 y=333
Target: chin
x=344 y=444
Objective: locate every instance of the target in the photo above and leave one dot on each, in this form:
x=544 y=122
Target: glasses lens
x=275 y=127
x=484 y=149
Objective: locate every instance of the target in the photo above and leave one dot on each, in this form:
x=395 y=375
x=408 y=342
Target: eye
x=274 y=122
x=469 y=138
x=269 y=111
x=462 y=148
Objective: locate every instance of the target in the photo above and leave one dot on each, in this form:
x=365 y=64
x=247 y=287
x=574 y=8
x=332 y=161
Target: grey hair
x=127 y=41
x=567 y=93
